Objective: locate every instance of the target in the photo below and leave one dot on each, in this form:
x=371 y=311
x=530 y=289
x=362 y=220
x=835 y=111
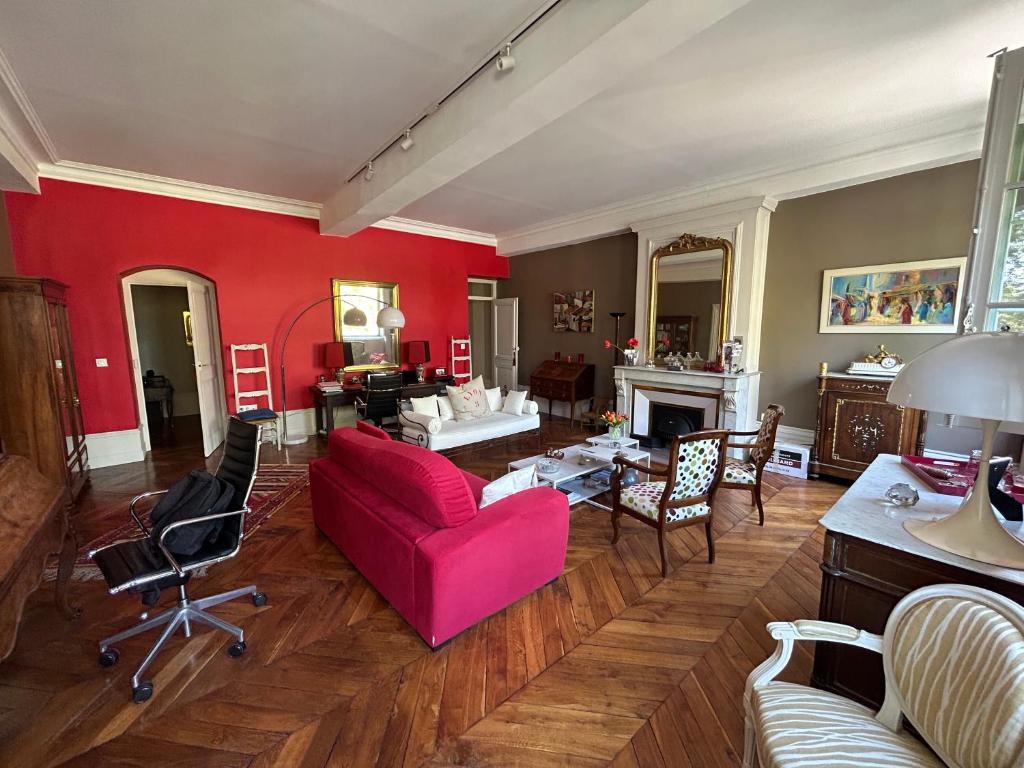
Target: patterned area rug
x=275 y=486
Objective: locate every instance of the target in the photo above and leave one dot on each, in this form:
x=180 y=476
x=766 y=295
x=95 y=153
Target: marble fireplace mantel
x=735 y=393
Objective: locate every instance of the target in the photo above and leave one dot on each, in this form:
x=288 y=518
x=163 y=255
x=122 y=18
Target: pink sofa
x=407 y=518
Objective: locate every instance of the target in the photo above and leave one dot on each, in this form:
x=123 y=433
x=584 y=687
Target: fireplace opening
x=670 y=421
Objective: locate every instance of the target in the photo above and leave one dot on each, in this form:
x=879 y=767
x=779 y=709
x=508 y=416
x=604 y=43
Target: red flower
x=632 y=343
x=607 y=344
x=665 y=340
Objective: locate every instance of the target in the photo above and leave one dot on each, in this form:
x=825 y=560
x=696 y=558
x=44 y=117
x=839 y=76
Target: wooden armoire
x=40 y=413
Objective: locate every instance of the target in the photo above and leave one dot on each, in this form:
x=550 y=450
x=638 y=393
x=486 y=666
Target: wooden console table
x=870 y=562
x=33 y=526
x=324 y=403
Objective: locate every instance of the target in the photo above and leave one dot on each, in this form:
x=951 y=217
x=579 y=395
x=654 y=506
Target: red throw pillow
x=372 y=430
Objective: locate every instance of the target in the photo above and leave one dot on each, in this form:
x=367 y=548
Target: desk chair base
x=183 y=615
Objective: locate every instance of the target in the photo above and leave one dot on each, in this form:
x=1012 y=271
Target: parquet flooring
x=608 y=665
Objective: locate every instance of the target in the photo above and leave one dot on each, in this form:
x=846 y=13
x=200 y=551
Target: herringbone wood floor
x=609 y=665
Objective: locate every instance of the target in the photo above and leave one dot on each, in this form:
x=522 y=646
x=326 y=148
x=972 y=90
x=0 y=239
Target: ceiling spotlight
x=506 y=61
x=369 y=171
x=407 y=142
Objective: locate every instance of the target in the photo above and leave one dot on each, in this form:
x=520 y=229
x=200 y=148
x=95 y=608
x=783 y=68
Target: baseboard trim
x=108 y=449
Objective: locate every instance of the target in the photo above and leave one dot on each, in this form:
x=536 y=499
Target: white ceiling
x=289 y=98
x=281 y=98
x=777 y=84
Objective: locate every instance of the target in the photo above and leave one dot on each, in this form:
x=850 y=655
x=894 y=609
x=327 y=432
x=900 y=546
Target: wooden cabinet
x=567 y=382
x=40 y=412
x=855 y=424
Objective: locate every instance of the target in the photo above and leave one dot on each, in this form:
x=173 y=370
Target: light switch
x=101 y=362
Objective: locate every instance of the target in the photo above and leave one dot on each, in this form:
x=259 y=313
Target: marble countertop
x=863 y=512
x=663 y=369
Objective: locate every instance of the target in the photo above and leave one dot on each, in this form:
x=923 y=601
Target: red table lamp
x=418 y=353
x=338 y=355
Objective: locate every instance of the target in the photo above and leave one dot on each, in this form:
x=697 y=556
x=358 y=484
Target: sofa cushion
x=469 y=400
x=493 y=399
x=509 y=485
x=425 y=483
x=444 y=407
x=429 y=424
x=454 y=434
x=425 y=405
x=368 y=428
x=514 y=402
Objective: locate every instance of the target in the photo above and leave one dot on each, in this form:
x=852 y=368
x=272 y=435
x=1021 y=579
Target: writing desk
x=324 y=402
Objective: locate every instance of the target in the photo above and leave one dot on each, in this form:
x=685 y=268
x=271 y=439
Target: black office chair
x=383 y=391
x=147 y=565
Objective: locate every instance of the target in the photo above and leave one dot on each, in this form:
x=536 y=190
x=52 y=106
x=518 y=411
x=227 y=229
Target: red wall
x=266 y=268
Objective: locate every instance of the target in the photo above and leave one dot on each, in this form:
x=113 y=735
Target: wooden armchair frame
x=666 y=502
x=760 y=451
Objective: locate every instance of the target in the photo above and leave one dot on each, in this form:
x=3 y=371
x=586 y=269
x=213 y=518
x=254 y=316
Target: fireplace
x=668 y=421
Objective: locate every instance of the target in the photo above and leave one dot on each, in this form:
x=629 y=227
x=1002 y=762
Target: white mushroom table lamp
x=979 y=376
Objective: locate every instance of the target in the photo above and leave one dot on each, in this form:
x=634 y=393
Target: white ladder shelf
x=461 y=351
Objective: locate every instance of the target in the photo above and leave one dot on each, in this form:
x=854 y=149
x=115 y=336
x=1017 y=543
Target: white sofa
x=448 y=434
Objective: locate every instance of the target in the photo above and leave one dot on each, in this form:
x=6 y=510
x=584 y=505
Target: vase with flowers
x=630 y=353
x=616 y=423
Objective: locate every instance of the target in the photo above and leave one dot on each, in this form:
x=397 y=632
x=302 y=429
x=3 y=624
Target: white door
x=506 y=343
x=206 y=363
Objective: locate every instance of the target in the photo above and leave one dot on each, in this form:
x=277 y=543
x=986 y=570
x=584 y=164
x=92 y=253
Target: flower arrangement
x=613 y=419
x=615 y=423
x=632 y=344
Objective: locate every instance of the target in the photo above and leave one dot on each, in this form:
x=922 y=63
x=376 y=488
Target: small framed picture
x=439 y=371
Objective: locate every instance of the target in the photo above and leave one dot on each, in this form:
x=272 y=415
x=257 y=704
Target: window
x=997 y=273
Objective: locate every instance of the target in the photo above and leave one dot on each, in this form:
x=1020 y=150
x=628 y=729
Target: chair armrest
x=653 y=469
x=421 y=421
x=755 y=433
x=133 y=502
x=788 y=632
x=192 y=521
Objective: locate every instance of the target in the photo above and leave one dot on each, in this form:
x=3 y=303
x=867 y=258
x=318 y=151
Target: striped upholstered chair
x=684 y=497
x=954 y=668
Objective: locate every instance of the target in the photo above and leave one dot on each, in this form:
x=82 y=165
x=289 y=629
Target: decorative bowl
x=548 y=466
x=587 y=461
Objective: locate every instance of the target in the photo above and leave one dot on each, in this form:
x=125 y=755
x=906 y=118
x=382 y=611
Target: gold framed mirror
x=689 y=297
x=356 y=305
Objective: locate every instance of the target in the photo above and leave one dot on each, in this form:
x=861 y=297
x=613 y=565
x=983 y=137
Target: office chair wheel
x=259 y=599
x=236 y=649
x=143 y=692
x=109 y=657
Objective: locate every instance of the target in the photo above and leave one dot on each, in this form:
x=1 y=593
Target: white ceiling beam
x=579 y=50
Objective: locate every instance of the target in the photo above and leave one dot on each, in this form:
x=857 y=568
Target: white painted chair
x=251 y=411
x=953 y=657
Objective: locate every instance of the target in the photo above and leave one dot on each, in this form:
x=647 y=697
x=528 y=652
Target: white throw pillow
x=514 y=402
x=425 y=405
x=469 y=401
x=444 y=406
x=429 y=424
x=494 y=399
x=513 y=482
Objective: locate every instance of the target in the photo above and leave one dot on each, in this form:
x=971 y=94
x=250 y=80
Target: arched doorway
x=174 y=340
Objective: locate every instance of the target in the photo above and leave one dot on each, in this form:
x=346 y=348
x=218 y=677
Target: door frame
x=173 y=277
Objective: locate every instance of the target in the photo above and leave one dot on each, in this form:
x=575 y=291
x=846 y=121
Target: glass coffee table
x=583 y=473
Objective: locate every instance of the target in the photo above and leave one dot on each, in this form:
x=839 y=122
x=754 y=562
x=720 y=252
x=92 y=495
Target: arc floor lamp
x=388 y=317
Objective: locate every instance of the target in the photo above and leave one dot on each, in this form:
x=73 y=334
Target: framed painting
x=574 y=311
x=908 y=297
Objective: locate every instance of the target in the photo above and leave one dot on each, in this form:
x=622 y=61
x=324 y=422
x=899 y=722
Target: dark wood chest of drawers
x=567 y=382
x=856 y=423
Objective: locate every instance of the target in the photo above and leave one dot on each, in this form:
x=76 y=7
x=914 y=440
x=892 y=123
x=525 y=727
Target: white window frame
x=1004 y=113
x=484 y=281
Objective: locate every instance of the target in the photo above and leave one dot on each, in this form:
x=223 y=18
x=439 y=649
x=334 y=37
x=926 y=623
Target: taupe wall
x=924 y=215
x=6 y=252
x=608 y=266
x=692 y=299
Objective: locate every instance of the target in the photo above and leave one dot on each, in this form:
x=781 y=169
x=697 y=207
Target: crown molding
x=412 y=226
x=115 y=178
x=24 y=143
x=780 y=183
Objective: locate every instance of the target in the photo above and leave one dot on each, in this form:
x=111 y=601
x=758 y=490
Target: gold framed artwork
x=356 y=305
